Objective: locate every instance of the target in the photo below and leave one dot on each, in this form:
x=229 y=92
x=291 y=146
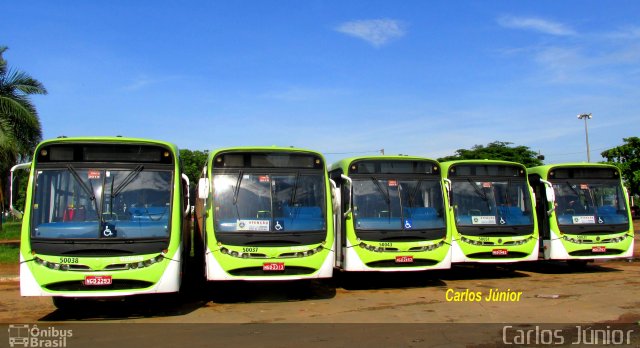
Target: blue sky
x=342 y=77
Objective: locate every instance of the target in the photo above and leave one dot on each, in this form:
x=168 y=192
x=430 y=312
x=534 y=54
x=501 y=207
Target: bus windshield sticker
x=588 y=219
x=93 y=174
x=393 y=183
x=584 y=186
x=486 y=184
x=252 y=225
x=278 y=225
x=264 y=178
x=483 y=220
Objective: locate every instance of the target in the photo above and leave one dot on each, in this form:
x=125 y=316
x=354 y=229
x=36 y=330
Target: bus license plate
x=499 y=252
x=97 y=280
x=599 y=249
x=404 y=259
x=273 y=266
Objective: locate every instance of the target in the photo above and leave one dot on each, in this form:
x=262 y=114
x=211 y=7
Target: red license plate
x=499 y=252
x=599 y=249
x=97 y=280
x=404 y=259
x=273 y=266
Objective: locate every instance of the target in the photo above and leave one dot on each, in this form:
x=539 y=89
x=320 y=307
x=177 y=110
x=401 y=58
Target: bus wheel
x=64 y=303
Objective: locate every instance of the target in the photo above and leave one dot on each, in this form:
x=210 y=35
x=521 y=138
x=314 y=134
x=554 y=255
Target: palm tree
x=20 y=128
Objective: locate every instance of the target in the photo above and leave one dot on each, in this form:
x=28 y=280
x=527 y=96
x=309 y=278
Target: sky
x=345 y=78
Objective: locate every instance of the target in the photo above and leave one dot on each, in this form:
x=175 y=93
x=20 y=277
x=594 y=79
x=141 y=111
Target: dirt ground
x=539 y=292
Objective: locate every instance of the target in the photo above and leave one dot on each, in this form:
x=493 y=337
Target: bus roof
x=545 y=169
x=105 y=139
x=446 y=165
x=264 y=149
x=346 y=162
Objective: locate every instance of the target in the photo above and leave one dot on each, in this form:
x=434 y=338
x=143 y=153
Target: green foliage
x=11 y=231
x=497 y=150
x=192 y=164
x=9 y=254
x=20 y=129
x=627 y=158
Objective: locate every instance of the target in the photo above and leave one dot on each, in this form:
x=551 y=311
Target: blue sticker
x=278 y=225
x=408 y=224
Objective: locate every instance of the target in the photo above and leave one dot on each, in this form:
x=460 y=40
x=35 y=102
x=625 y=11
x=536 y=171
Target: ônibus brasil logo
x=25 y=335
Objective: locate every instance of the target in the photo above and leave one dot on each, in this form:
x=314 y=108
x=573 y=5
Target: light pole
x=586 y=132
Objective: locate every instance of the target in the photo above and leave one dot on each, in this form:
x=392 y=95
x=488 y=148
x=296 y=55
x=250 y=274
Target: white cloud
x=536 y=24
x=377 y=32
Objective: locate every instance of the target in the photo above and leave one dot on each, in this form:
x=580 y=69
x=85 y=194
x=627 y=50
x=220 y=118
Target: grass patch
x=9 y=254
x=10 y=230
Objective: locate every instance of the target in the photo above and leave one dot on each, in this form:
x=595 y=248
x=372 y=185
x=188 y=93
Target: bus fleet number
x=68 y=260
x=250 y=250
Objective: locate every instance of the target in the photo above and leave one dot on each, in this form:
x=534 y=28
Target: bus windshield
x=580 y=202
x=498 y=203
x=269 y=202
x=101 y=203
x=397 y=204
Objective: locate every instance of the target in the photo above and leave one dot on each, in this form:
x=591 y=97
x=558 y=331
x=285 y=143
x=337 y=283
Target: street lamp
x=586 y=132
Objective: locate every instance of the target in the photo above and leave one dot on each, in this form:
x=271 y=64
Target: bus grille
x=393 y=263
x=588 y=252
x=259 y=272
x=118 y=284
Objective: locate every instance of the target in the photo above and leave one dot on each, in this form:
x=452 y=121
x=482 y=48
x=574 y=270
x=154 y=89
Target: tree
x=192 y=164
x=20 y=129
x=498 y=150
x=627 y=158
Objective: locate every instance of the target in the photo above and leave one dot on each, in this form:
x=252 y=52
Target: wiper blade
x=76 y=176
x=384 y=193
x=236 y=190
x=480 y=193
x=295 y=190
x=412 y=195
x=127 y=180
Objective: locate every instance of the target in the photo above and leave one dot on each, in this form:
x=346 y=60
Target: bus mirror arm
x=185 y=178
x=14 y=211
x=203 y=188
x=348 y=179
x=551 y=196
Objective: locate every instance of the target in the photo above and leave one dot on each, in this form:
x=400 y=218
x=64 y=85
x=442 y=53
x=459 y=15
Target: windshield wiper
x=412 y=195
x=127 y=180
x=385 y=194
x=295 y=190
x=86 y=189
x=236 y=190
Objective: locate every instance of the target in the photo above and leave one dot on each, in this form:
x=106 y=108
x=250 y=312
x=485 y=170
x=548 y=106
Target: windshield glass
x=581 y=202
x=269 y=202
x=101 y=204
x=397 y=204
x=501 y=203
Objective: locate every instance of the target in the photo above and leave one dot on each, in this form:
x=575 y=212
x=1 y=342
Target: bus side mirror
x=203 y=188
x=550 y=194
x=23 y=166
x=185 y=179
x=447 y=188
x=349 y=195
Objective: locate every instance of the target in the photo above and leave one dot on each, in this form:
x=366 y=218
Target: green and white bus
x=264 y=213
x=492 y=212
x=392 y=216
x=583 y=212
x=104 y=216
